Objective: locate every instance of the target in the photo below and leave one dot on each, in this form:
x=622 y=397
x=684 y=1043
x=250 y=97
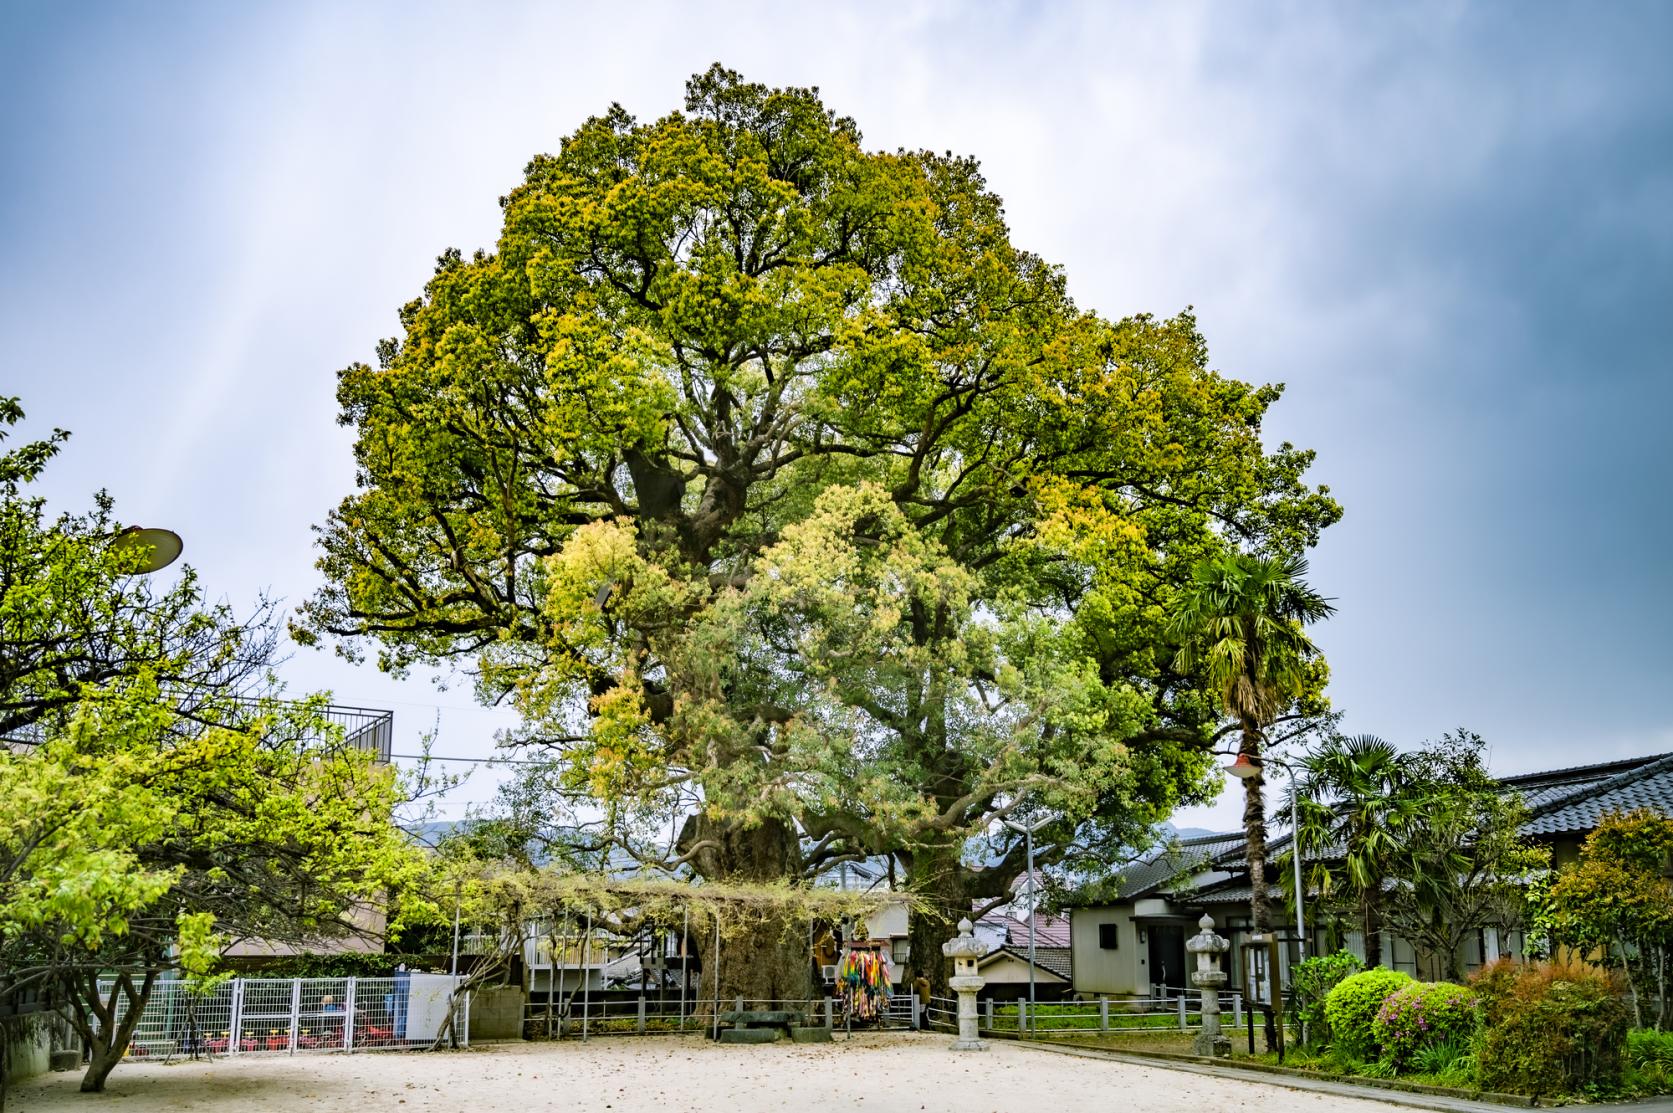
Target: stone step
x=750 y=1035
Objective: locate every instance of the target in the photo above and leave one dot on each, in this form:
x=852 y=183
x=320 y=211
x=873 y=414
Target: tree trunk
x=935 y=879
x=107 y=1043
x=1371 y=924
x=1254 y=831
x=761 y=957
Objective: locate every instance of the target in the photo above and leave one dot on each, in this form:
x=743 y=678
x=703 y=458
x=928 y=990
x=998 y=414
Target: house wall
x=1009 y=970
x=1007 y=980
x=888 y=921
x=1098 y=970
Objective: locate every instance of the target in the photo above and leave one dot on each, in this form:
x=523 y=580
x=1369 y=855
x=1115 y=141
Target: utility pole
x=1028 y=843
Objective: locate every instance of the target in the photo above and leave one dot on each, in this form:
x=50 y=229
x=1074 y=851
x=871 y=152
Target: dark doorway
x=1167 y=955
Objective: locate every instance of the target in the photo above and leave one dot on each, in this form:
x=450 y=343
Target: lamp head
x=159 y=547
x=1243 y=769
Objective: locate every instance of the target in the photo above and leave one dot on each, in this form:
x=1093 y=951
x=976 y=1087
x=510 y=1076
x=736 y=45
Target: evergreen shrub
x=1312 y=980
x=1351 y=1009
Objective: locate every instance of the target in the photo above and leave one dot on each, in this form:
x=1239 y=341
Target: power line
x=473 y=760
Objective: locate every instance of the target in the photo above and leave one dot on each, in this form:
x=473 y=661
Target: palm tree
x=1354 y=802
x=1240 y=624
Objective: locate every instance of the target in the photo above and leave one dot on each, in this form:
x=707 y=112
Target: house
x=1128 y=937
x=1006 y=966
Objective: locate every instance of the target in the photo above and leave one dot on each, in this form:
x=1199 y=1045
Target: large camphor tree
x=790 y=500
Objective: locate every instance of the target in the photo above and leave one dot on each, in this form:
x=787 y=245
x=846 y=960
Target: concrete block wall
x=28 y=1047
x=497 y=1013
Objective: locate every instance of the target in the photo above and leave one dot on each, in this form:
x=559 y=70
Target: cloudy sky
x=1447 y=227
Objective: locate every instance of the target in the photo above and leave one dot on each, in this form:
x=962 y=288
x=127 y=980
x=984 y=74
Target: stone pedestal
x=1208 y=977
x=964 y=950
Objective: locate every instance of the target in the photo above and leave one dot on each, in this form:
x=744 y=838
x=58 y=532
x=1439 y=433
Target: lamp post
x=1028 y=842
x=1244 y=769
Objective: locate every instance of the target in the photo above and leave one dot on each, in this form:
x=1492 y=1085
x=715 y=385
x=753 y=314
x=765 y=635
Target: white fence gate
x=286 y=1016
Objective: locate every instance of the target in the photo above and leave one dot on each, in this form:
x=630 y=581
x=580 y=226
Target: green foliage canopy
x=770 y=479
x=153 y=805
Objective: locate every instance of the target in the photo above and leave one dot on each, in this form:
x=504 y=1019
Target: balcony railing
x=364 y=728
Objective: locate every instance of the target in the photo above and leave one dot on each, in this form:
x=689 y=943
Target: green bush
x=1452 y=1062
x=1422 y=1015
x=1550 y=1028
x=1351 y=1008
x=1649 y=1061
x=1312 y=980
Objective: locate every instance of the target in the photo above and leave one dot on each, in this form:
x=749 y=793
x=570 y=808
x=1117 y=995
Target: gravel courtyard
x=877 y=1074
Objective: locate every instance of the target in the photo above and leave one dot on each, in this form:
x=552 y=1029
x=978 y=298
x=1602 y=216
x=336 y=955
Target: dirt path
x=877 y=1074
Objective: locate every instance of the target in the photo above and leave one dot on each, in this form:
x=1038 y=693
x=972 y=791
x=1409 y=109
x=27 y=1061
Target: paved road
x=1337 y=1089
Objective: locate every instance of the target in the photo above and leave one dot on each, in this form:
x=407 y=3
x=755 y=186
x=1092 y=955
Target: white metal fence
x=621 y=1014
x=289 y=1016
x=1069 y=1018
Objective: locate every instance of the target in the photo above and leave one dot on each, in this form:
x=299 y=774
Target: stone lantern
x=964 y=951
x=1208 y=977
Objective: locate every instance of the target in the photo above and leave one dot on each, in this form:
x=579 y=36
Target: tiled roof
x=1184 y=856
x=1049 y=931
x=1053 y=960
x=1562 y=801
x=1594 y=791
x=1234 y=894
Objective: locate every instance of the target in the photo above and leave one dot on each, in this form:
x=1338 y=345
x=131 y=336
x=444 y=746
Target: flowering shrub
x=1351 y=1008
x=1421 y=1015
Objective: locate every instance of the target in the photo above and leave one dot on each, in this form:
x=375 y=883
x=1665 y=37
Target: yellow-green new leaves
x=770 y=478
x=134 y=830
x=68 y=860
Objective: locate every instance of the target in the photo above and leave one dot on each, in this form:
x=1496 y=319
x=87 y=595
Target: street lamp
x=156 y=549
x=1245 y=769
x=1028 y=841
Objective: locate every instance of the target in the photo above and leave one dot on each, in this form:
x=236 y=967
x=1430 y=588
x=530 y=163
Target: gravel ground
x=878 y=1074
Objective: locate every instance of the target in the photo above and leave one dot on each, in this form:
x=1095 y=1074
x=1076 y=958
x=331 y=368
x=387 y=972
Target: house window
x=1109 y=936
x=902 y=950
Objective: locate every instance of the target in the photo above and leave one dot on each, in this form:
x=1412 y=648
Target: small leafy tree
x=1618 y=900
x=152 y=804
x=1312 y=980
x=1461 y=864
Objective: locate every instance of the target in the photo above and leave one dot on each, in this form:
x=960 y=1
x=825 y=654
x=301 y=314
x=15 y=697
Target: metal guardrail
x=364 y=728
